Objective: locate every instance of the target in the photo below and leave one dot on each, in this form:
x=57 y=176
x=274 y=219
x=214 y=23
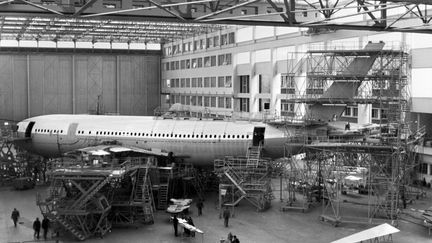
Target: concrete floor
x=250 y=226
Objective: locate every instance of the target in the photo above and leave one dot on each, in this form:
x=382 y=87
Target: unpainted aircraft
x=197 y=141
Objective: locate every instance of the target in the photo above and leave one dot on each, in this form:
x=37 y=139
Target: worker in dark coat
x=15 y=216
x=190 y=222
x=226 y=215
x=36 y=227
x=45 y=226
x=175 y=224
x=200 y=206
x=235 y=239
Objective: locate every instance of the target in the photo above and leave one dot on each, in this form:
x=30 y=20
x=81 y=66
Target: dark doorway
x=258 y=136
x=29 y=129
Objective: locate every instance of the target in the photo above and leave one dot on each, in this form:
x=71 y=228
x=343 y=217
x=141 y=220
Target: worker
x=175 y=224
x=229 y=238
x=226 y=215
x=200 y=206
x=36 y=228
x=191 y=223
x=45 y=226
x=235 y=239
x=347 y=126
x=15 y=216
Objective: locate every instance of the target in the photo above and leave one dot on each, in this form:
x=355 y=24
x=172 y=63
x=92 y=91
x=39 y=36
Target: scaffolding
x=324 y=83
x=244 y=178
x=86 y=202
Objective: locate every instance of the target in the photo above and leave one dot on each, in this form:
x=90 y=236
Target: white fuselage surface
x=197 y=141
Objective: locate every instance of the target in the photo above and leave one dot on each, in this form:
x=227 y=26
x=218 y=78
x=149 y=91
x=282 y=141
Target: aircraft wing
x=108 y=149
x=372 y=233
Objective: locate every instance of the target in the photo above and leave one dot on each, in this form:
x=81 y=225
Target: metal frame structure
x=244 y=178
x=86 y=202
x=157 y=21
x=373 y=75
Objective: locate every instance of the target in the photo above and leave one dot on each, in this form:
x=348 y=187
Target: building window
x=213 y=101
x=221 y=60
x=199 y=101
x=182 y=64
x=206 y=101
x=224 y=39
x=188 y=83
x=182 y=83
x=193 y=100
x=228 y=82
x=221 y=82
x=207 y=62
x=216 y=41
x=194 y=63
x=200 y=82
x=375 y=113
x=423 y=168
x=213 y=61
x=228 y=59
x=209 y=42
x=177 y=82
x=244 y=104
x=287 y=109
x=188 y=64
x=244 y=84
x=287 y=81
x=221 y=102
x=231 y=39
x=206 y=82
x=200 y=63
x=194 y=82
x=350 y=111
x=195 y=45
x=213 y=82
x=228 y=103
x=188 y=99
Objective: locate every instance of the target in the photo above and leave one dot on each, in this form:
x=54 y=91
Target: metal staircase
x=75 y=232
x=253 y=156
x=143 y=196
x=163 y=196
x=234 y=178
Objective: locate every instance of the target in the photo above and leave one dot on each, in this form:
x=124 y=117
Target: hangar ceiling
x=157 y=21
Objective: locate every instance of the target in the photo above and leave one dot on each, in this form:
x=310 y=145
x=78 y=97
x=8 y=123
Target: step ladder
x=70 y=228
x=234 y=178
x=163 y=196
x=253 y=156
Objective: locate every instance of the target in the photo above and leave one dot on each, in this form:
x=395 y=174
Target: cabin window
x=206 y=136
x=242 y=136
x=224 y=136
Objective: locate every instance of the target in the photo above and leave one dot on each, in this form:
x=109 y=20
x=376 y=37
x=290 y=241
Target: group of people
x=37 y=224
x=232 y=239
x=189 y=221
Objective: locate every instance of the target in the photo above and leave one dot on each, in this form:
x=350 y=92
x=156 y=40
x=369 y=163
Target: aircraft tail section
x=346 y=83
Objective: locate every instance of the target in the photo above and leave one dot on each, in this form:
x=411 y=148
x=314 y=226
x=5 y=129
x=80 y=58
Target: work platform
x=87 y=201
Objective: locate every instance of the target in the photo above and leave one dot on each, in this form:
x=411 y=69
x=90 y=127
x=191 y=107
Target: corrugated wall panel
x=65 y=85
x=109 y=90
x=6 y=87
x=19 y=88
x=53 y=82
x=125 y=83
x=36 y=85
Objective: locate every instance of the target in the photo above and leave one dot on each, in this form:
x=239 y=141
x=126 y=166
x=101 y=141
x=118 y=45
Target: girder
x=100 y=20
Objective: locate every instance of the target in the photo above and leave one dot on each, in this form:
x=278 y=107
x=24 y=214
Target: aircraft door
x=72 y=129
x=258 y=136
x=28 y=130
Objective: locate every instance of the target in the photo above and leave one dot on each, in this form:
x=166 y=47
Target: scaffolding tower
x=323 y=83
x=244 y=178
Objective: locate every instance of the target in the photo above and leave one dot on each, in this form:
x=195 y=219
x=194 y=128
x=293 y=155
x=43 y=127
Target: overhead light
x=334 y=104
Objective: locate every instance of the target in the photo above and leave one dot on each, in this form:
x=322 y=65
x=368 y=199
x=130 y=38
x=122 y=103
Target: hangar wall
x=37 y=83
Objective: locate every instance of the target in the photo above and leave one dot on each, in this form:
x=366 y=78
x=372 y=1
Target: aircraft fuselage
x=197 y=141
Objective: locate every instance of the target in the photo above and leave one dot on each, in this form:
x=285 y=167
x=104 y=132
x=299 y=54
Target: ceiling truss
x=157 y=21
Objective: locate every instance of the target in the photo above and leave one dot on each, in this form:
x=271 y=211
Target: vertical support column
x=117 y=84
x=28 y=87
x=73 y=85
